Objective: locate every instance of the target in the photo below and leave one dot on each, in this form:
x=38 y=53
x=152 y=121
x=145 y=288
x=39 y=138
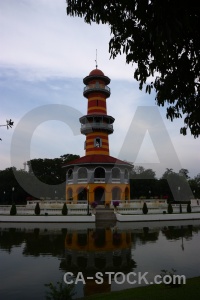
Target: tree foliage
x=13 y=210
x=37 y=209
x=60 y=291
x=144 y=208
x=9 y=124
x=170 y=208
x=163 y=39
x=48 y=170
x=189 y=209
x=64 y=210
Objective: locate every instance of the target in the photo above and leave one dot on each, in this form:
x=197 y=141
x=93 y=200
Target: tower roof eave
x=98 y=159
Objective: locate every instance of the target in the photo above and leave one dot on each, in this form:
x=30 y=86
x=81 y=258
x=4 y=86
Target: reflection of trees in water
x=145 y=235
x=37 y=242
x=37 y=245
x=175 y=233
x=11 y=238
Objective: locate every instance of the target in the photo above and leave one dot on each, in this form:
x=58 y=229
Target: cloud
x=39 y=40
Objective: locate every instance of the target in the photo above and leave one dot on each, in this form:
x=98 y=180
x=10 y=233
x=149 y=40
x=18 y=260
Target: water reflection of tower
x=98 y=250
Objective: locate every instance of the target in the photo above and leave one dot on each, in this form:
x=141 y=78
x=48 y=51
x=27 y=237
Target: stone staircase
x=105 y=216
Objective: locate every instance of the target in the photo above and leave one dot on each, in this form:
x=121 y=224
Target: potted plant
x=94 y=205
x=115 y=204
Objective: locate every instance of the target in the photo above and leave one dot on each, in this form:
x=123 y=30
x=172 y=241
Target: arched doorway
x=82 y=194
x=126 y=193
x=69 y=194
x=99 y=195
x=116 y=194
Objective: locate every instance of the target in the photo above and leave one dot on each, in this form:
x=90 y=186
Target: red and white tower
x=96 y=125
x=97 y=176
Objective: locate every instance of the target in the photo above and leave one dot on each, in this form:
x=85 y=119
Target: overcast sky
x=44 y=56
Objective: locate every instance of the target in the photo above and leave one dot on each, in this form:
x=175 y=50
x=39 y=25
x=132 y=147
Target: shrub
x=170 y=209
x=37 y=209
x=174 y=282
x=13 y=210
x=189 y=209
x=64 y=210
x=145 y=209
x=60 y=291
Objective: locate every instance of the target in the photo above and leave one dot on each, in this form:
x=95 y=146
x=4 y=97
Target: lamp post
x=88 y=189
x=180 y=207
x=179 y=188
x=149 y=194
x=13 y=189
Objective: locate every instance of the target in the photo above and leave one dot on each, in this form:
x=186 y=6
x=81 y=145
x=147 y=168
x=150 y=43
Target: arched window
x=99 y=173
x=116 y=174
x=82 y=173
x=126 y=174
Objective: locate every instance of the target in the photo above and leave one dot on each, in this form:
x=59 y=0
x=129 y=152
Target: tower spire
x=96 y=59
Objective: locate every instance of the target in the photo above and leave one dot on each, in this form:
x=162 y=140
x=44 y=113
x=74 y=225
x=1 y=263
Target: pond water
x=34 y=255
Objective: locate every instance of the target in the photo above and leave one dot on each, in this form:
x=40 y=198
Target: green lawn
x=188 y=291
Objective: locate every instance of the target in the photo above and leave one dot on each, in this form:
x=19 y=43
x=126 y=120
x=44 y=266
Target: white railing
x=101 y=180
x=114 y=180
x=82 y=180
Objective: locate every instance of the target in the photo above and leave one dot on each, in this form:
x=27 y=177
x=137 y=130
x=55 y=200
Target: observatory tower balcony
x=91 y=88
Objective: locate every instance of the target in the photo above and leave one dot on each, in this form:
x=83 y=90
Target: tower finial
x=96 y=59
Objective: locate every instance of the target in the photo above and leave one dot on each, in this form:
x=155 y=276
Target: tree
x=13 y=210
x=9 y=124
x=170 y=209
x=189 y=210
x=179 y=185
x=142 y=173
x=60 y=291
x=37 y=209
x=145 y=209
x=163 y=39
x=184 y=172
x=64 y=210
